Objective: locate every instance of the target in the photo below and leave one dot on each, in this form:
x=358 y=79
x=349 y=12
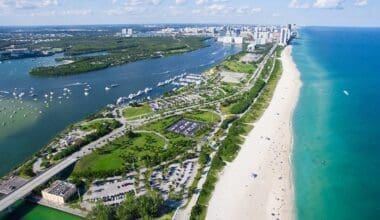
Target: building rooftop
x=60 y=188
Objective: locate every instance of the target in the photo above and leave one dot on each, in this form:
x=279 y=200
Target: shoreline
x=258 y=184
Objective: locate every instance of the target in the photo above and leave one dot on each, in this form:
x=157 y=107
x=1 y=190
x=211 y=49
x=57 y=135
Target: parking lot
x=185 y=127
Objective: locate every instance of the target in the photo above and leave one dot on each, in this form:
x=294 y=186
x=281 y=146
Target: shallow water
x=336 y=152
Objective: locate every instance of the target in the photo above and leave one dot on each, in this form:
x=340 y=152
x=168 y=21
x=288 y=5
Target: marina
x=34 y=110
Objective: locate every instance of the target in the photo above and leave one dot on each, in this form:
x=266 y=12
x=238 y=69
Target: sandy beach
x=258 y=183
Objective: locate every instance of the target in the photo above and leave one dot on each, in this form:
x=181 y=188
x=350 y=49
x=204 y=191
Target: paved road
x=51 y=172
x=184 y=213
x=42 y=178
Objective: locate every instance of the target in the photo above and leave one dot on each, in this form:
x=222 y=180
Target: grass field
x=203 y=116
x=131 y=112
x=94 y=125
x=116 y=156
x=239 y=67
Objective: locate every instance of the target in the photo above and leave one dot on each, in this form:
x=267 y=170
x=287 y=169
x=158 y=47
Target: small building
x=230 y=40
x=251 y=48
x=59 y=192
x=67 y=141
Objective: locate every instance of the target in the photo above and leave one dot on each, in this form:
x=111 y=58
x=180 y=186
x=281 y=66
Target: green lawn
x=203 y=116
x=94 y=125
x=141 y=149
x=239 y=67
x=131 y=112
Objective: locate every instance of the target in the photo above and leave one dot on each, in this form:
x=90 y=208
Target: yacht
x=146 y=90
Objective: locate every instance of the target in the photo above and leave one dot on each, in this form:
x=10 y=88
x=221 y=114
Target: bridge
x=42 y=178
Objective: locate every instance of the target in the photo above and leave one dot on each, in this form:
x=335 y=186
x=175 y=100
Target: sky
x=300 y=12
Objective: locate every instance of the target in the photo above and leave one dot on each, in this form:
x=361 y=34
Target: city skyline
x=302 y=12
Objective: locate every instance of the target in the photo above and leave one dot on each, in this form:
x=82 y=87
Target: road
x=184 y=213
x=42 y=178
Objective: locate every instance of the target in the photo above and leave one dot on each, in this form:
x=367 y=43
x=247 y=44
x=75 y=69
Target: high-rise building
x=130 y=32
x=124 y=31
x=284 y=36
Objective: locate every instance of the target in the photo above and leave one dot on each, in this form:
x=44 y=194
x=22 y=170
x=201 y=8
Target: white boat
x=114 y=85
x=146 y=90
x=346 y=92
x=107 y=88
x=86 y=93
x=121 y=100
x=131 y=96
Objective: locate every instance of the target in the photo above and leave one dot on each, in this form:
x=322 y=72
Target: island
x=159 y=157
x=84 y=54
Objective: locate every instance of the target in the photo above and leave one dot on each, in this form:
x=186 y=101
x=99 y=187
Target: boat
x=130 y=96
x=107 y=88
x=114 y=85
x=121 y=100
x=86 y=93
x=346 y=92
x=146 y=90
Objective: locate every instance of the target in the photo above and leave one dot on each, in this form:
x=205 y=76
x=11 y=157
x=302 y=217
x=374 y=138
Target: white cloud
x=141 y=2
x=126 y=10
x=77 y=12
x=298 y=4
x=361 y=2
x=180 y=2
x=156 y=2
x=221 y=7
x=26 y=4
x=329 y=4
x=134 y=2
x=323 y=4
x=200 y=2
x=247 y=10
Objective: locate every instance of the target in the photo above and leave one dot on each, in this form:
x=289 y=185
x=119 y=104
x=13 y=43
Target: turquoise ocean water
x=336 y=124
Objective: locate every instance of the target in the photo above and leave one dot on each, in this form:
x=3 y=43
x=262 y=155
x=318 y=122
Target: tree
x=128 y=210
x=100 y=212
x=150 y=204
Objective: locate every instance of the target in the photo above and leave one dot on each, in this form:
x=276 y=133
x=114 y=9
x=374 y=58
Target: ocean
x=336 y=154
